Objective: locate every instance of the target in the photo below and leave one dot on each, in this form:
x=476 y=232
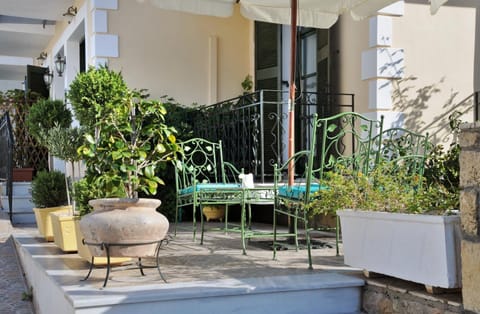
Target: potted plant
x=49 y=194
x=63 y=143
x=88 y=93
x=124 y=148
x=44 y=116
x=84 y=191
x=395 y=223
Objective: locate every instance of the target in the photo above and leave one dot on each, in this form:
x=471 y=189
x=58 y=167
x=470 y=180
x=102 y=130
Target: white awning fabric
x=311 y=13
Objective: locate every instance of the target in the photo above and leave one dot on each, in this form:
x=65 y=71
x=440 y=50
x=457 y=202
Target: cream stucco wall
x=173 y=53
x=439 y=66
x=352 y=40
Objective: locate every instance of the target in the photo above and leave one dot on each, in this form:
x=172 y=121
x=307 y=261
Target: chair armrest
x=231 y=172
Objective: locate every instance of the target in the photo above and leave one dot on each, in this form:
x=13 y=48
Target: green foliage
x=182 y=118
x=387 y=188
x=443 y=166
x=131 y=143
x=85 y=190
x=44 y=115
x=28 y=295
x=49 y=189
x=93 y=91
x=63 y=142
x=247 y=84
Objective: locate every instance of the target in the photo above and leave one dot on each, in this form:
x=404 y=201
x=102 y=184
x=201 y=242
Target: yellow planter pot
x=84 y=252
x=214 y=212
x=64 y=234
x=44 y=222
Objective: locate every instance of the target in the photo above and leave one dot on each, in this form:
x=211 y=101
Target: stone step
x=23 y=216
x=22 y=206
x=19 y=189
x=57 y=286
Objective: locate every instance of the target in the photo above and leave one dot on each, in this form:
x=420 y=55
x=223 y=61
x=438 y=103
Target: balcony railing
x=6 y=157
x=254 y=127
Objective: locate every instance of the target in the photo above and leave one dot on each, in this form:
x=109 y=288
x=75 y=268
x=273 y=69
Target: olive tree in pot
x=63 y=142
x=48 y=194
x=130 y=143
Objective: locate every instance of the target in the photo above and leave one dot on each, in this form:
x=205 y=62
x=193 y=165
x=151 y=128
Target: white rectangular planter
x=419 y=248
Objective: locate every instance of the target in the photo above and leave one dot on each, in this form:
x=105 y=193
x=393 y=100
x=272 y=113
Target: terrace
x=199 y=276
x=215 y=278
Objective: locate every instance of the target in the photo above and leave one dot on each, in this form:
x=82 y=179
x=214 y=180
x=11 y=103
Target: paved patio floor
x=182 y=261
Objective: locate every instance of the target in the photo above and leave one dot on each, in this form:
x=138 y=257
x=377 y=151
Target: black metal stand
x=106 y=247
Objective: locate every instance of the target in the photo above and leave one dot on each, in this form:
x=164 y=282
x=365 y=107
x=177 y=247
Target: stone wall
x=390 y=295
x=470 y=212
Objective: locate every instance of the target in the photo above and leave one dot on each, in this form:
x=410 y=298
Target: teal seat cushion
x=210 y=186
x=298 y=191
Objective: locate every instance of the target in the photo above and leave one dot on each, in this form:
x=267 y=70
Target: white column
x=382 y=63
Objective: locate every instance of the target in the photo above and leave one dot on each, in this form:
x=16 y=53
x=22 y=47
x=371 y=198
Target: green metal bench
x=203 y=178
x=346 y=139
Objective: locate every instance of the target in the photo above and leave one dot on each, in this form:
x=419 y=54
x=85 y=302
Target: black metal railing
x=254 y=127
x=6 y=157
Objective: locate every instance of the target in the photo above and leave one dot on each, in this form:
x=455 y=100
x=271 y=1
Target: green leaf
x=89 y=139
x=117 y=155
x=331 y=128
x=149 y=172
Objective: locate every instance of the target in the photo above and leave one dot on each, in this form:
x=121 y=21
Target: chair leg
x=337 y=234
x=194 y=221
x=226 y=219
x=309 y=248
x=202 y=226
x=274 y=245
x=243 y=220
x=176 y=221
x=295 y=228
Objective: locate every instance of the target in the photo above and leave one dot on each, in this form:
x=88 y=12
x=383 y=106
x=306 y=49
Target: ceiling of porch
x=26 y=27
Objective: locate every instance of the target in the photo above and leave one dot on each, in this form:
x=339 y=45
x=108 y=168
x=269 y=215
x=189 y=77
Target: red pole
x=291 y=98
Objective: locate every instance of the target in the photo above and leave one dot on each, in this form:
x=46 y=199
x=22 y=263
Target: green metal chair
x=203 y=178
x=404 y=148
x=344 y=139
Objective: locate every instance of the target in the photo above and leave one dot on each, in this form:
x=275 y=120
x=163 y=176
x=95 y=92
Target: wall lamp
x=42 y=56
x=48 y=77
x=71 y=11
x=60 y=65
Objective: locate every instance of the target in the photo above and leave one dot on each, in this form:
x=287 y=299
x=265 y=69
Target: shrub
x=49 y=189
x=92 y=90
x=387 y=188
x=46 y=114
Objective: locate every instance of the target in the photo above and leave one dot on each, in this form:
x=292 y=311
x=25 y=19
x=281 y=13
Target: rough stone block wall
x=382 y=298
x=470 y=212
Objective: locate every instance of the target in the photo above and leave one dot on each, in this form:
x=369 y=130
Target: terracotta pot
x=22 y=174
x=124 y=221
